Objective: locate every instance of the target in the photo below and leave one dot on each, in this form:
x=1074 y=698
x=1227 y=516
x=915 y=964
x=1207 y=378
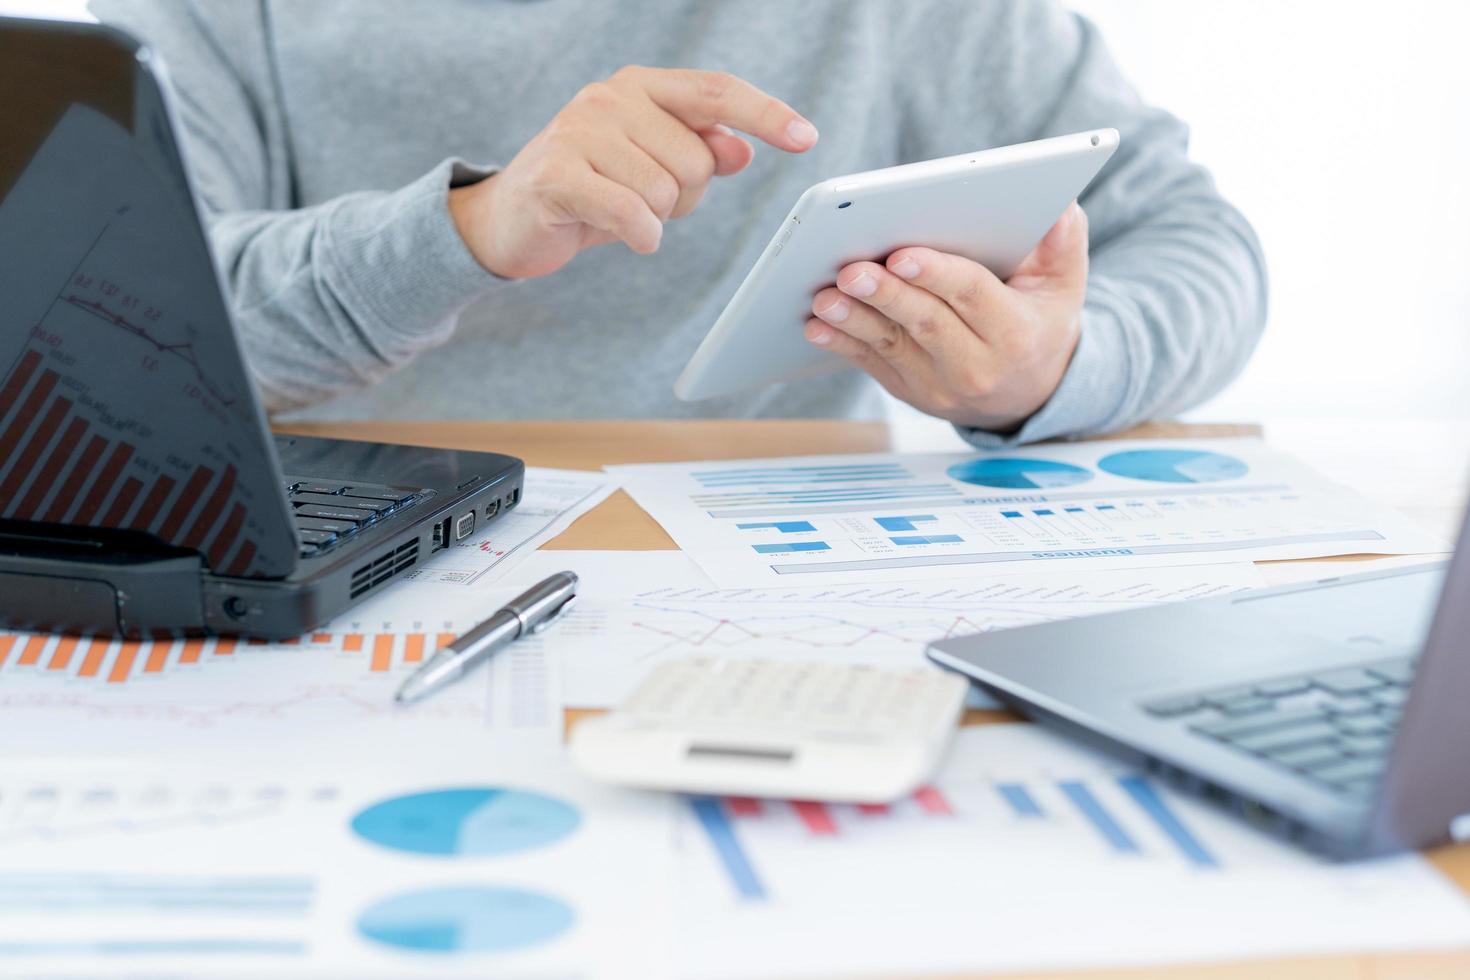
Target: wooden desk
x=619 y=524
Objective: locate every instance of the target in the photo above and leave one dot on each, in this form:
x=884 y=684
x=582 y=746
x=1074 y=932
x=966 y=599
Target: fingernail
x=906 y=267
x=802 y=133
x=863 y=285
x=820 y=336
x=836 y=312
x=723 y=129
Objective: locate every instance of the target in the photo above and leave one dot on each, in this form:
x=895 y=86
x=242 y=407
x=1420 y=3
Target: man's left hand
x=945 y=335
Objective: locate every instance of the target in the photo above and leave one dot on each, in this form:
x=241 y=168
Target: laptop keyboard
x=1333 y=727
x=327 y=512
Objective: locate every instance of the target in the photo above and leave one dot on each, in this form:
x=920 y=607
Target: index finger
x=702 y=99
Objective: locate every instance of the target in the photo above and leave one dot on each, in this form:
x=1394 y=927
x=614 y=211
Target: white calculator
x=807 y=731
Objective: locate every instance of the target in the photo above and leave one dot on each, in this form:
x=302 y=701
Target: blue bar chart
x=899 y=517
x=1117 y=817
x=782 y=527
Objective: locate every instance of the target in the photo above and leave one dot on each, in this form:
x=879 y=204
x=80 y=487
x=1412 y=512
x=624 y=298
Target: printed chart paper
x=332 y=688
x=640 y=609
x=404 y=864
x=1026 y=853
x=336 y=682
x=551 y=501
x=836 y=520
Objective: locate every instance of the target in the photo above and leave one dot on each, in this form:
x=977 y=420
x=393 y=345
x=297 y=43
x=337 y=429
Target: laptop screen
x=124 y=402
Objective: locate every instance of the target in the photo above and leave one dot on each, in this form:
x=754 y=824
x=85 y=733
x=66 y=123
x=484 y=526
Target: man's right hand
x=624 y=156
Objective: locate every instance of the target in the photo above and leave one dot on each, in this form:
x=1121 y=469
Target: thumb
x=732 y=154
x=1059 y=261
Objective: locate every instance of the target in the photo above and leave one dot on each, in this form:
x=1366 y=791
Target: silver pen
x=530 y=612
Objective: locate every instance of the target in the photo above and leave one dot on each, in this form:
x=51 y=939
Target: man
x=376 y=273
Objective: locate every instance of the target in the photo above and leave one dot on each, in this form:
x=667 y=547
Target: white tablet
x=993 y=206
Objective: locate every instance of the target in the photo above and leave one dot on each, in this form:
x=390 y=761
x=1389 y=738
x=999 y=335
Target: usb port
x=441 y=535
x=491 y=509
x=515 y=497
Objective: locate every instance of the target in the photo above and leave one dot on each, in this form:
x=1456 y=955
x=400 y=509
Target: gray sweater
x=324 y=135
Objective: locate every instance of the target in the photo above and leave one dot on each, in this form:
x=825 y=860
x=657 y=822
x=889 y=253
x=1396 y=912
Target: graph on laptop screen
x=123 y=403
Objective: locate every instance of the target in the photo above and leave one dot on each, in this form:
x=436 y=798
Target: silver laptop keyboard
x=1334 y=727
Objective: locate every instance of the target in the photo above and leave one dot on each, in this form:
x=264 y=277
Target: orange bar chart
x=32 y=652
x=413 y=648
x=157 y=657
x=92 y=659
x=65 y=646
x=78 y=657
x=123 y=665
x=382 y=652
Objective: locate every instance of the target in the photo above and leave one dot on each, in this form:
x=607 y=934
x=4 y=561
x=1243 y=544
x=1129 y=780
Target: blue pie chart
x=467 y=821
x=466 y=919
x=1015 y=473
x=1173 y=466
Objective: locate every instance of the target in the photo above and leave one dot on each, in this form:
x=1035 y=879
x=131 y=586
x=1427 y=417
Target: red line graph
x=184 y=351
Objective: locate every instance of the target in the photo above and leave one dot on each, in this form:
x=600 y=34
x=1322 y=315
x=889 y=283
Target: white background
x=1341 y=128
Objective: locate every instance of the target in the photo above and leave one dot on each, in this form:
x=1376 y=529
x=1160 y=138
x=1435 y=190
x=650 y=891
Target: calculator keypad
x=834 y=700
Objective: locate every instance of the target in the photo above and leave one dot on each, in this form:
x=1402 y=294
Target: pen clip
x=553 y=616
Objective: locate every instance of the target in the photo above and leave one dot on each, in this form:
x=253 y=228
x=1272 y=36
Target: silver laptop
x=1332 y=713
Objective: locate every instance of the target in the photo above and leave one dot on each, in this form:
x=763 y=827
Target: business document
x=835 y=520
x=492 y=860
x=1026 y=852
x=637 y=610
x=220 y=696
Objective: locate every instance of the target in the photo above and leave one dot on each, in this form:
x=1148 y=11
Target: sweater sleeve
x=325 y=298
x=1176 y=295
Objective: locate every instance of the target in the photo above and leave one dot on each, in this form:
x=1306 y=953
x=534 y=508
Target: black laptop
x=141 y=491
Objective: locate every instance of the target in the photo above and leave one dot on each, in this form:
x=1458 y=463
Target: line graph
x=183 y=351
x=604 y=646
x=124 y=403
x=56 y=688
x=818 y=631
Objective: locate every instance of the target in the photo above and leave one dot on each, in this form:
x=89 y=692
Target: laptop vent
x=384 y=567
